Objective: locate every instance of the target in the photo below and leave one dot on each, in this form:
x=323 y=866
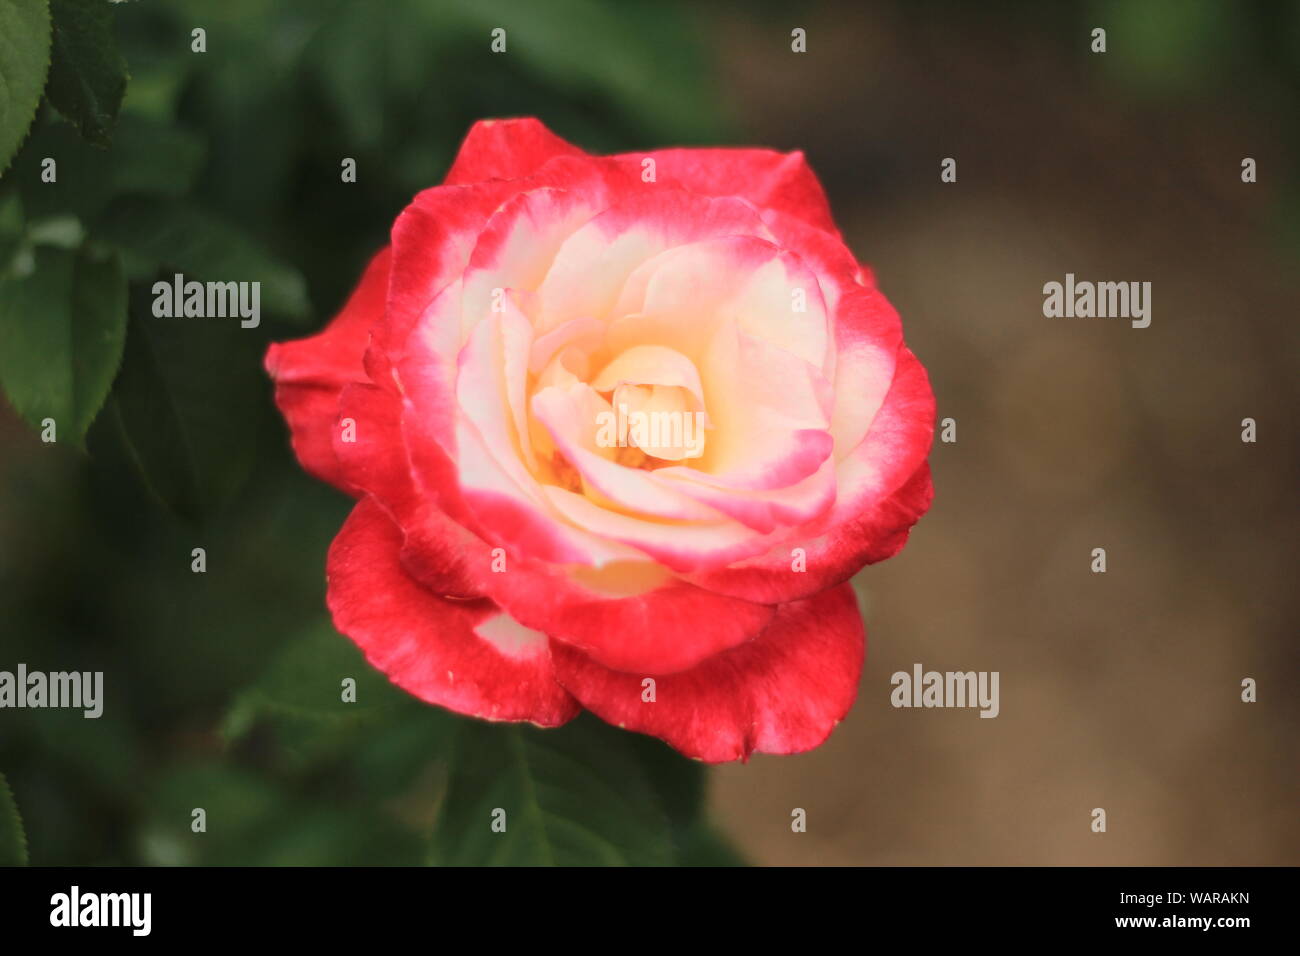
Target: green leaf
x=572 y=796
x=186 y=239
x=310 y=835
x=63 y=326
x=305 y=680
x=87 y=74
x=24 y=59
x=389 y=737
x=147 y=157
x=678 y=781
x=13 y=842
x=186 y=403
x=681 y=786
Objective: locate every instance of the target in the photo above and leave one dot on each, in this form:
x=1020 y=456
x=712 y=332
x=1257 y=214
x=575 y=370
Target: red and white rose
x=505 y=559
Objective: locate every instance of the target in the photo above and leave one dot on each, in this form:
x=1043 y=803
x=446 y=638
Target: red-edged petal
x=655 y=622
x=375 y=461
x=432 y=241
x=651 y=621
x=667 y=628
x=868 y=332
x=783 y=692
x=506 y=149
x=467 y=656
x=658 y=625
x=593 y=264
x=895 y=445
x=769 y=180
x=874 y=534
x=368 y=442
x=310 y=373
x=884 y=488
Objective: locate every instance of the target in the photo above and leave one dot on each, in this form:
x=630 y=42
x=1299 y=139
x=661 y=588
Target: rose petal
x=592 y=265
x=769 y=414
x=884 y=487
x=661 y=628
x=506 y=149
x=768 y=179
x=763 y=510
x=570 y=417
x=310 y=373
x=782 y=692
x=768 y=293
x=625 y=615
x=463 y=655
x=432 y=241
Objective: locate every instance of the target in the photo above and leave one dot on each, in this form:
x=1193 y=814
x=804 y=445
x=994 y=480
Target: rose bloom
x=513 y=556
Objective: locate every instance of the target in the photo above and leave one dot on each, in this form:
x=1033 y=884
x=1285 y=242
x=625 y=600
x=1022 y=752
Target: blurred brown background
x=1118 y=690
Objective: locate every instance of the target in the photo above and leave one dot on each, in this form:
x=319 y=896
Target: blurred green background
x=222 y=687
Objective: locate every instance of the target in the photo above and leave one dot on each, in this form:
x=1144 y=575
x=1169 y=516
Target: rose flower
x=620 y=429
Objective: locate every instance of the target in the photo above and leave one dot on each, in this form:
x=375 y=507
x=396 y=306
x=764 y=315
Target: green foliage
x=304 y=682
x=249 y=820
x=572 y=796
x=166 y=236
x=183 y=403
x=63 y=323
x=24 y=59
x=583 y=794
x=148 y=158
x=13 y=842
x=87 y=73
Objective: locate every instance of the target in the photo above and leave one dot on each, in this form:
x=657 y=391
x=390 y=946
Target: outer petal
x=668 y=628
x=464 y=655
x=628 y=616
x=768 y=179
x=310 y=373
x=868 y=332
x=506 y=149
x=894 y=447
x=368 y=442
x=781 y=693
x=374 y=461
x=433 y=239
